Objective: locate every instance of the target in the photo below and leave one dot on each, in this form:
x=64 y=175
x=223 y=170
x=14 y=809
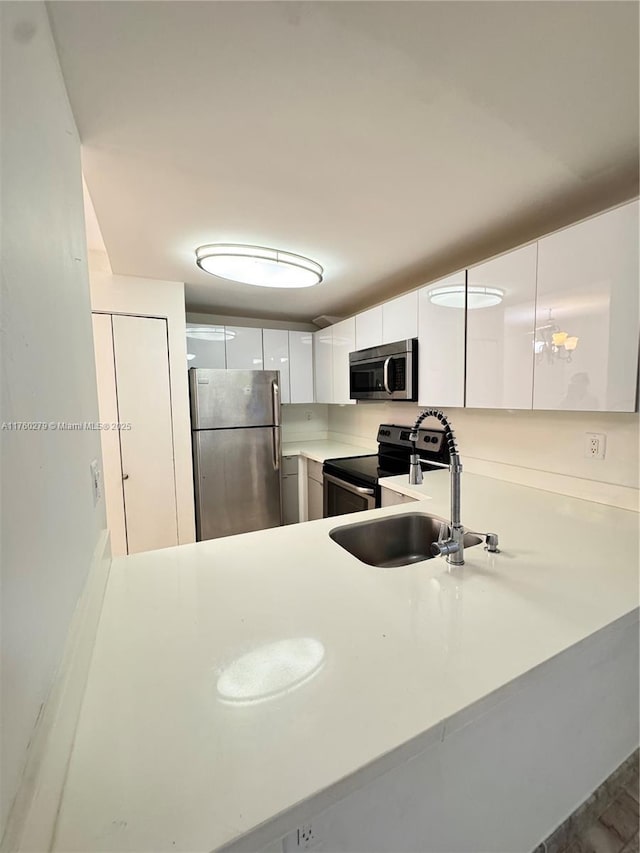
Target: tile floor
x=607 y=822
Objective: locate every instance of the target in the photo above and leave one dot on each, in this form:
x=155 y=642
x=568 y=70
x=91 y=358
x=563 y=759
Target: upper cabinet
x=275 y=348
x=501 y=296
x=206 y=346
x=441 y=320
x=244 y=348
x=369 y=328
x=323 y=365
x=400 y=318
x=301 y=367
x=344 y=342
x=586 y=329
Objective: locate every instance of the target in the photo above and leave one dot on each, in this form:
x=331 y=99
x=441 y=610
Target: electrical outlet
x=308 y=415
x=304 y=837
x=595 y=445
x=96 y=481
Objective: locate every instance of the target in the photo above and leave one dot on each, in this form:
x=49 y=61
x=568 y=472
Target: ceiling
x=391 y=142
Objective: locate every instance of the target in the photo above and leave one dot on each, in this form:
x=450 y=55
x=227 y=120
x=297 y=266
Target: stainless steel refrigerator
x=235 y=422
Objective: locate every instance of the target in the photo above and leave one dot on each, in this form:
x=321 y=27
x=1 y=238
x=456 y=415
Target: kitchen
x=521 y=292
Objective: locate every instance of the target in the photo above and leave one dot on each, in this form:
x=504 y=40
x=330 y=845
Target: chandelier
x=551 y=343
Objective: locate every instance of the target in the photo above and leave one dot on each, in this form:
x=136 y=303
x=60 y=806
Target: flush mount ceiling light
x=453 y=296
x=258 y=266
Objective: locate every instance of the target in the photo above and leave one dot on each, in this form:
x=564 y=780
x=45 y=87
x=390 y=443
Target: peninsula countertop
x=165 y=760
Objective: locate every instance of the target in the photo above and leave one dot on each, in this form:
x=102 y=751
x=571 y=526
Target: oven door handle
x=349 y=487
x=385 y=374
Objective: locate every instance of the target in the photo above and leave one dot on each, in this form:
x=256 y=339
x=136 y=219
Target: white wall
x=305 y=422
x=540 y=449
x=50 y=526
x=121 y=294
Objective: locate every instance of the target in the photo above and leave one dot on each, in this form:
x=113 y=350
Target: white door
x=441 y=342
x=369 y=328
x=301 y=367
x=323 y=365
x=144 y=401
x=244 y=348
x=501 y=297
x=400 y=318
x=344 y=342
x=109 y=439
x=588 y=300
x=275 y=345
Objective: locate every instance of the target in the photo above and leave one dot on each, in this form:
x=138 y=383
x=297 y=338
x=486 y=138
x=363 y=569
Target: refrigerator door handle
x=275 y=393
x=277 y=448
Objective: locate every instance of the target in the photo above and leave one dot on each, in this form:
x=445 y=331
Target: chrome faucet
x=453 y=547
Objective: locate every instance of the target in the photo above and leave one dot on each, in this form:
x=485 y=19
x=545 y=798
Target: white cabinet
x=344 y=342
x=290 y=504
x=132 y=369
x=441 y=342
x=588 y=299
x=301 y=367
x=244 y=348
x=500 y=321
x=275 y=344
x=400 y=318
x=323 y=365
x=390 y=498
x=369 y=328
x=206 y=346
x=315 y=490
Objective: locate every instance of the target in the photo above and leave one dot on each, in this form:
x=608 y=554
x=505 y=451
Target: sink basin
x=395 y=541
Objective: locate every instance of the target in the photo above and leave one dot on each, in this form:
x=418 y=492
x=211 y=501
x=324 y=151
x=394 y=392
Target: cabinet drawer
x=289 y=465
x=314 y=470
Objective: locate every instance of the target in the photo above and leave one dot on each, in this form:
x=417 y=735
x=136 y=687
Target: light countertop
x=169 y=757
x=321 y=449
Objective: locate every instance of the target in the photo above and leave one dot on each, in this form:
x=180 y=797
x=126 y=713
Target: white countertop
x=163 y=763
x=321 y=449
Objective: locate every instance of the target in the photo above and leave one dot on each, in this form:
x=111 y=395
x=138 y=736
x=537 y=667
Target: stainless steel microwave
x=388 y=372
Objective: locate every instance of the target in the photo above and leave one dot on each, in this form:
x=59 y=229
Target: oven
x=388 y=372
x=342 y=497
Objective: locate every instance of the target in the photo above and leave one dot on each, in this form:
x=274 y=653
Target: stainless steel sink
x=398 y=540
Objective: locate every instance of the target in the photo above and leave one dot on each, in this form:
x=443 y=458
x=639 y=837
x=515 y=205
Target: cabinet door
x=206 y=346
x=323 y=365
x=109 y=439
x=400 y=318
x=344 y=342
x=588 y=298
x=244 y=348
x=441 y=342
x=315 y=508
x=144 y=401
x=500 y=320
x=301 y=367
x=369 y=328
x=275 y=344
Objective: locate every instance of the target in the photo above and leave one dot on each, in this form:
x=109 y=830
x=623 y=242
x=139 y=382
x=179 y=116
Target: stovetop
x=392 y=458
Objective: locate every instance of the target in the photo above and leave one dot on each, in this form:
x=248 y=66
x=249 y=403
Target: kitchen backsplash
x=541 y=449
x=305 y=422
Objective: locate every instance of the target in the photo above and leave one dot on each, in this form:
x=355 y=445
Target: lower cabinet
x=290 y=506
x=315 y=490
x=390 y=498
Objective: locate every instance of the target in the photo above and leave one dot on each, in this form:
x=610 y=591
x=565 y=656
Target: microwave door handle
x=385 y=374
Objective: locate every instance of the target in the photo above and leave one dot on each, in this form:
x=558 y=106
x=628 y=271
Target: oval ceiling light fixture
x=258 y=265
x=453 y=296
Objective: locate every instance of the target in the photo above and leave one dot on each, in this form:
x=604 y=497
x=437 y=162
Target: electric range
x=352 y=484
